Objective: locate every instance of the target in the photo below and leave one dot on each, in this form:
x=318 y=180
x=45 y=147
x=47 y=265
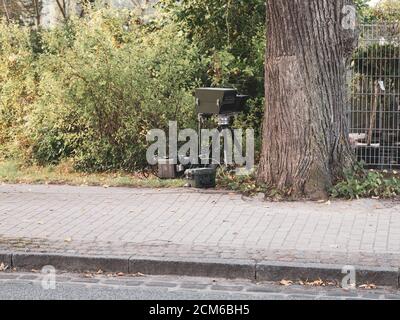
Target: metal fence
x=375 y=103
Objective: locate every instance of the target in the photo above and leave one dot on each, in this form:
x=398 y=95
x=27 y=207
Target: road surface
x=40 y=286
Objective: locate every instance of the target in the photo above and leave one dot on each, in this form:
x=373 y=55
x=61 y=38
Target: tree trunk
x=305 y=136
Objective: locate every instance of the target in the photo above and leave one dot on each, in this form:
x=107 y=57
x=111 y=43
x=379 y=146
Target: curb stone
x=229 y=269
x=30 y=261
x=214 y=268
x=6 y=259
x=274 y=271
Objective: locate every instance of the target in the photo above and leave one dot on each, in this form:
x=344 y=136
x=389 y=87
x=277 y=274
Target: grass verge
x=14 y=173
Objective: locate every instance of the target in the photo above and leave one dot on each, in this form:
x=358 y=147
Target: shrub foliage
x=92 y=88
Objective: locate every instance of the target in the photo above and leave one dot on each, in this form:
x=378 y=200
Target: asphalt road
x=37 y=286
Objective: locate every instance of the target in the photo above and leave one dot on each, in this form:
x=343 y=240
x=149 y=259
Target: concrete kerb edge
x=217 y=268
x=276 y=271
x=74 y=263
x=6 y=259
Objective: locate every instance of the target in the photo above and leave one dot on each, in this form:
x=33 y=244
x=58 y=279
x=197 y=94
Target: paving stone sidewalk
x=185 y=223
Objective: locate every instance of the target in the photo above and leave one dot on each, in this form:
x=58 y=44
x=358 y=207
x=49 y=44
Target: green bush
x=18 y=83
x=90 y=89
x=231 y=37
x=361 y=183
x=98 y=85
x=245 y=184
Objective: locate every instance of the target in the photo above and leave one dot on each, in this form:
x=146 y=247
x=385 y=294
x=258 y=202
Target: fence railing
x=375 y=103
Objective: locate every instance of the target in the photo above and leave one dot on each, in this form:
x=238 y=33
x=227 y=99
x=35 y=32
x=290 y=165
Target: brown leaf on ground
x=138 y=274
x=368 y=286
x=286 y=283
x=3 y=267
x=317 y=283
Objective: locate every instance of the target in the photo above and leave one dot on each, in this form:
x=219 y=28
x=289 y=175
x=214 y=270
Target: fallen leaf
x=286 y=283
x=138 y=274
x=3 y=267
x=317 y=283
x=368 y=286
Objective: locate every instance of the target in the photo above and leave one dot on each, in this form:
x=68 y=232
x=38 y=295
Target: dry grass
x=14 y=173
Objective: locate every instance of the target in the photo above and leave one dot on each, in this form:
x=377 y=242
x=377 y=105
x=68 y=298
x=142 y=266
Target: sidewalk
x=176 y=224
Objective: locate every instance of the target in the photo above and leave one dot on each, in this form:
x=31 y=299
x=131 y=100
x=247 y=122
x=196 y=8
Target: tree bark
x=6 y=11
x=305 y=131
x=36 y=6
